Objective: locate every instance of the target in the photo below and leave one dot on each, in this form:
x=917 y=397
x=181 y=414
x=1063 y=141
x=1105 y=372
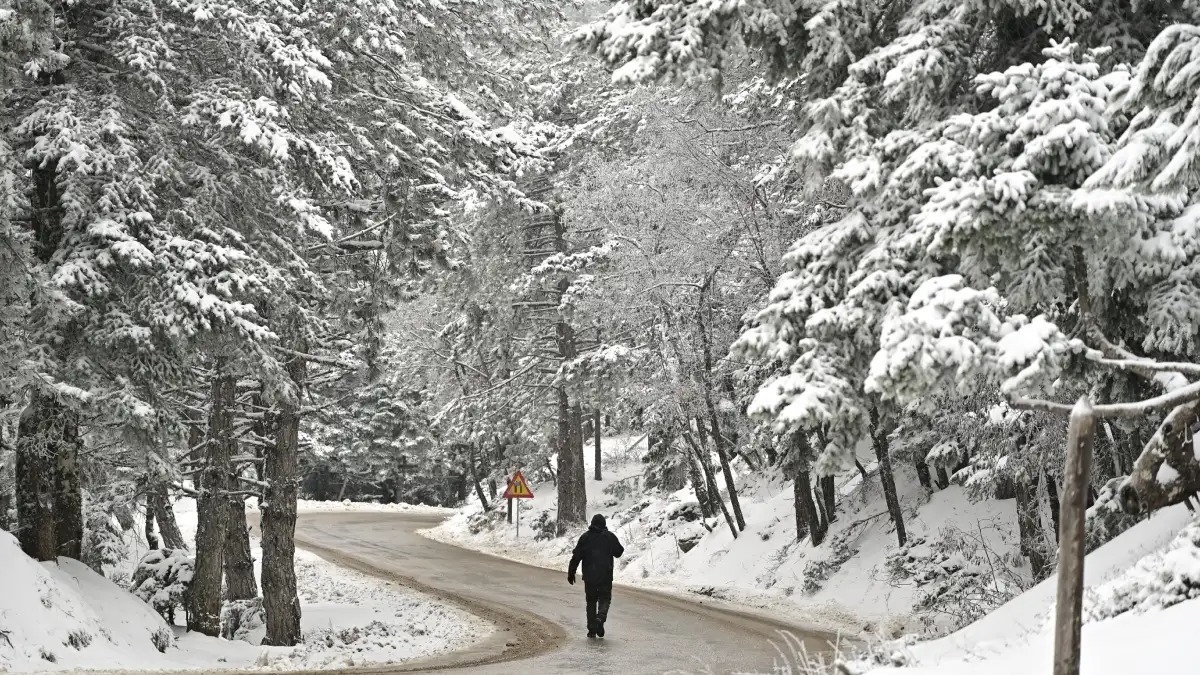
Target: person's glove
x=571 y=579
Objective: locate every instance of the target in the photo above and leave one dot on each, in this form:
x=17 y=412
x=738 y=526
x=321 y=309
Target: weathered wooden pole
x=1068 y=613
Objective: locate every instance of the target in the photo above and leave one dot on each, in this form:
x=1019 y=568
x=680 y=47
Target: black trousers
x=599 y=597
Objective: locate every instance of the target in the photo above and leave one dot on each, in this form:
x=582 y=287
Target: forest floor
x=64 y=616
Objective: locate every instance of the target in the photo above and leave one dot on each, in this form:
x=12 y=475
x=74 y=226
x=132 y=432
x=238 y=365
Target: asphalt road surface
x=540 y=618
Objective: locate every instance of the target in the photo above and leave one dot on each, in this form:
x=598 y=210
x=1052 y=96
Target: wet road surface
x=540 y=618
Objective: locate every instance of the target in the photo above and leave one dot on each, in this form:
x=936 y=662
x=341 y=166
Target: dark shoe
x=600 y=631
x=591 y=635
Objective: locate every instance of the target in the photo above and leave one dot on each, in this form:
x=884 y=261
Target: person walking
x=596 y=549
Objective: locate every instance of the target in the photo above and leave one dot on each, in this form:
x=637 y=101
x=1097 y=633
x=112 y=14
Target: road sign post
x=518 y=489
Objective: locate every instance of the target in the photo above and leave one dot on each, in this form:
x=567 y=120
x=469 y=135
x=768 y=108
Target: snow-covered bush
x=959 y=577
x=162 y=580
x=1161 y=579
x=103 y=541
x=1105 y=519
x=817 y=572
x=241 y=618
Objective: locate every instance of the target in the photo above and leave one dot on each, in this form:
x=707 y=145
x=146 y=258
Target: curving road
x=539 y=616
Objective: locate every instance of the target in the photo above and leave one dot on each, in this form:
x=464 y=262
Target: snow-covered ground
x=64 y=616
x=347 y=505
x=857 y=583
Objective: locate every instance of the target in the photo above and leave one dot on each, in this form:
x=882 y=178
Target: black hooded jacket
x=596 y=549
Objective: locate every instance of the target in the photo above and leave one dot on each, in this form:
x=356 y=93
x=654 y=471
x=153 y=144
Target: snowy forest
x=377 y=251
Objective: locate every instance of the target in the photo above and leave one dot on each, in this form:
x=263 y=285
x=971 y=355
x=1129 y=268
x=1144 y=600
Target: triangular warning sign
x=518 y=488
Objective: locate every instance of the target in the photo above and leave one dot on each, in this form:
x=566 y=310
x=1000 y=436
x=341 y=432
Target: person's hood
x=598 y=522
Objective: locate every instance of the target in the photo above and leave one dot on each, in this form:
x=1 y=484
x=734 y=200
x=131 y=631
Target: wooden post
x=1068 y=613
x=596 y=440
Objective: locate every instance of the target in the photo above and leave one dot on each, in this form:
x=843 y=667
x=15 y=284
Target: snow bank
x=64 y=615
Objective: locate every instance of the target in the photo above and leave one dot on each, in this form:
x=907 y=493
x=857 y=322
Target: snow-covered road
x=539 y=615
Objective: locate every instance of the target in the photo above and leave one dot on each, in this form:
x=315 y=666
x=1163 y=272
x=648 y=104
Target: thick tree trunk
x=596 y=442
x=808 y=520
x=822 y=514
x=943 y=479
x=923 y=474
x=151 y=537
x=801 y=512
x=239 y=564
x=280 y=602
x=49 y=492
x=212 y=510
x=68 y=489
x=6 y=501
x=159 y=500
x=828 y=493
x=879 y=438
x=36 y=449
x=572 y=495
x=1032 y=544
x=700 y=487
x=572 y=476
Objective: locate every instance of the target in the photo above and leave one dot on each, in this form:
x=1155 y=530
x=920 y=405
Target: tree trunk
x=922 y=474
x=1055 y=508
x=828 y=492
x=596 y=442
x=5 y=506
x=712 y=482
x=151 y=538
x=705 y=458
x=280 y=602
x=879 y=438
x=68 y=489
x=165 y=515
x=572 y=495
x=808 y=520
x=700 y=487
x=713 y=418
x=800 y=508
x=212 y=510
x=35 y=479
x=943 y=479
x=239 y=564
x=475 y=478
x=1030 y=531
x=726 y=469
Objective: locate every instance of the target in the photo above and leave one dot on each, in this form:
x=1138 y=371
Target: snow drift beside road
x=347 y=505
x=58 y=616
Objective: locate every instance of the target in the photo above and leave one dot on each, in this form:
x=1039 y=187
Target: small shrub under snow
x=959 y=577
x=162 y=579
x=241 y=619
